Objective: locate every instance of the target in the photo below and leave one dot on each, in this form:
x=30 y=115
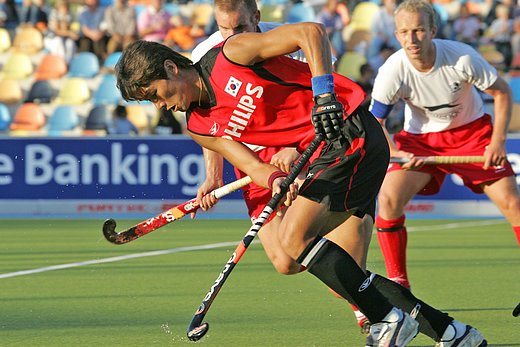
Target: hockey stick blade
x=173 y=214
x=516 y=311
x=463 y=159
x=197 y=329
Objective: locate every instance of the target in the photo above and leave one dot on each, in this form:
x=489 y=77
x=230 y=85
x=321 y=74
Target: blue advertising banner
x=101 y=168
x=137 y=177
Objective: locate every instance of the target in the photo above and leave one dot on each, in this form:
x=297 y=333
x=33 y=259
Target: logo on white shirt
x=233 y=86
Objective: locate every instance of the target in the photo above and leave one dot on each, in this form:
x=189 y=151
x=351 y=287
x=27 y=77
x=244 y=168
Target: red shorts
x=470 y=139
x=256 y=197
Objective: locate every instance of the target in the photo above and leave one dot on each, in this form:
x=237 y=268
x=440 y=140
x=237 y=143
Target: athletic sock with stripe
x=393 y=237
x=336 y=268
x=432 y=322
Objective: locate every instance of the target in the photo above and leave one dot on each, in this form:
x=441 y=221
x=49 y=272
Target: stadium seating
x=350 y=63
x=51 y=67
x=64 y=119
x=110 y=62
x=18 y=66
x=74 y=91
x=272 y=13
x=84 y=64
x=10 y=92
x=300 y=12
x=98 y=118
x=41 y=92
x=362 y=15
x=5 y=40
x=28 y=40
x=28 y=117
x=107 y=91
x=5 y=118
x=514 y=83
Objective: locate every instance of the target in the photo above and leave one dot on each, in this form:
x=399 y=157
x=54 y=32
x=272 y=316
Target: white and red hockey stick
x=166 y=217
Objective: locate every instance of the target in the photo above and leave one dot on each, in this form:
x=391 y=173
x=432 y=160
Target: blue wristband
x=322 y=84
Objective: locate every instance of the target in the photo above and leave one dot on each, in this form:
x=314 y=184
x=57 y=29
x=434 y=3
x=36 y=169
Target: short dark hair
x=141 y=63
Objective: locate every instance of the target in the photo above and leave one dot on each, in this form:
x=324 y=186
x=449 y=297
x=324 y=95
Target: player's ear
x=257 y=17
x=171 y=68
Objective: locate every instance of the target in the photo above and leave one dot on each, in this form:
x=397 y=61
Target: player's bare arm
x=496 y=153
x=311 y=38
x=214 y=163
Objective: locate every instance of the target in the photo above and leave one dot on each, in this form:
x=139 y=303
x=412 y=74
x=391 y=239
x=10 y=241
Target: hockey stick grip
x=454 y=159
x=197 y=329
x=231 y=187
x=165 y=217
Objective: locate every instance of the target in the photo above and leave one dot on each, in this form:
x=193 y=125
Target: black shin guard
x=432 y=322
x=336 y=268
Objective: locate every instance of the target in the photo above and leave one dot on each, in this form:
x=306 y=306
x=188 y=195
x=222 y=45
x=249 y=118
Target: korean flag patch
x=233 y=86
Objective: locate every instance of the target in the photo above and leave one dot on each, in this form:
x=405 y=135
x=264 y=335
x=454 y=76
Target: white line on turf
x=114 y=259
x=218 y=245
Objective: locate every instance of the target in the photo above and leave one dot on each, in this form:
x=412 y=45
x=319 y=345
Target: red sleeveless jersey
x=267 y=104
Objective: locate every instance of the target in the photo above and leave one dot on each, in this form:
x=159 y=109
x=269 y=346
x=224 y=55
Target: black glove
x=327 y=117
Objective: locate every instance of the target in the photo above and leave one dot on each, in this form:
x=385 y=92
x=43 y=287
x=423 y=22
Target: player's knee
x=388 y=203
x=287 y=268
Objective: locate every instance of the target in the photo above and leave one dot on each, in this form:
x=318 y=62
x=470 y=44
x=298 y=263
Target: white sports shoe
x=460 y=335
x=397 y=329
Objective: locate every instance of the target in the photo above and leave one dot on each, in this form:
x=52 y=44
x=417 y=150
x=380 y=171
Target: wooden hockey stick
x=450 y=159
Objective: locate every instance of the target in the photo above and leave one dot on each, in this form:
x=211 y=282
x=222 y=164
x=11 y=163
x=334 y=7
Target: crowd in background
x=361 y=33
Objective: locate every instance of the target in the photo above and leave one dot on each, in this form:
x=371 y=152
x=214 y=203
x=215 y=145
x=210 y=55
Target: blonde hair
x=418 y=6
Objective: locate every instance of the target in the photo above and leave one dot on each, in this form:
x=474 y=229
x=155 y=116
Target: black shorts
x=352 y=175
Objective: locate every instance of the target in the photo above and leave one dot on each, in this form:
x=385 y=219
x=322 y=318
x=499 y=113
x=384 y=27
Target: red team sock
x=392 y=237
x=517 y=233
x=360 y=317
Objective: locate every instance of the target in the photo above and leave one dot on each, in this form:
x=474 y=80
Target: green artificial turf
x=468 y=268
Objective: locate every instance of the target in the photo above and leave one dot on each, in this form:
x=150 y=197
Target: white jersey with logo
x=444 y=97
x=216 y=38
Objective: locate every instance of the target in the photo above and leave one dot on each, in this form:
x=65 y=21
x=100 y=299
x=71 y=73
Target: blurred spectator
x=366 y=81
x=467 y=27
x=383 y=28
x=344 y=11
x=515 y=39
x=92 y=29
x=185 y=36
x=377 y=60
x=120 y=123
x=501 y=32
x=167 y=123
x=299 y=11
x=9 y=17
x=121 y=25
x=492 y=13
x=34 y=12
x=154 y=23
x=333 y=22
x=60 y=39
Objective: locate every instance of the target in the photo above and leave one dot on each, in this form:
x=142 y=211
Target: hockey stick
x=174 y=213
x=450 y=159
x=516 y=311
x=197 y=329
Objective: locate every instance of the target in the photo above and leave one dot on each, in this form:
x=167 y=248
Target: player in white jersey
x=438 y=81
x=233 y=17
